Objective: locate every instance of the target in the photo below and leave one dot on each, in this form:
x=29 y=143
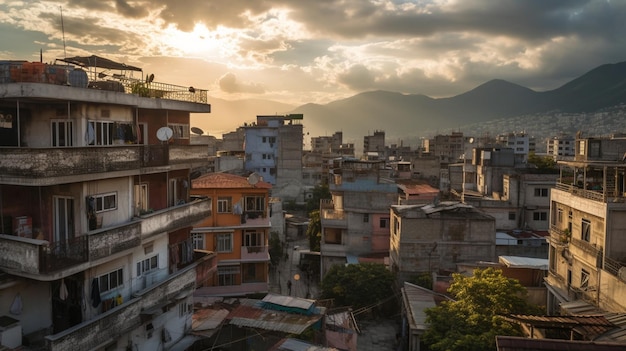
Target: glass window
x=224 y=204
x=111 y=280
x=198 y=241
x=586 y=230
x=224 y=242
x=147 y=265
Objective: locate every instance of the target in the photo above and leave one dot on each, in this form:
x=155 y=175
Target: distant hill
x=404 y=116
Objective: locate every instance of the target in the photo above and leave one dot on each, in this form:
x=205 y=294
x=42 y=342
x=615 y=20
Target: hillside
x=405 y=117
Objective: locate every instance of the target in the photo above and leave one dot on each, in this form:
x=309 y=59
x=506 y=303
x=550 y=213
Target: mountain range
x=406 y=117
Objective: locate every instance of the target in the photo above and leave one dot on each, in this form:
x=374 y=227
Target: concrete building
x=274 y=151
x=237 y=230
x=355 y=223
x=95 y=209
x=375 y=143
x=587 y=225
x=521 y=143
x=436 y=237
x=560 y=147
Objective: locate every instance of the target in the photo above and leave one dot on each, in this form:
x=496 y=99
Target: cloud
x=229 y=84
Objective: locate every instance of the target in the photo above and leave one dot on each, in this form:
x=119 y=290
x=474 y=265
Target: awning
x=100 y=62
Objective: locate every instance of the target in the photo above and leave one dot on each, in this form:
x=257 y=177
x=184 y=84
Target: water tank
x=78 y=78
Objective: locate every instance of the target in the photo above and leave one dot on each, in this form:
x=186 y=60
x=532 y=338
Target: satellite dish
x=197 y=130
x=253 y=179
x=164 y=133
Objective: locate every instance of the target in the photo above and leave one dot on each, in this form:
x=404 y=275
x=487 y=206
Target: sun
x=199 y=42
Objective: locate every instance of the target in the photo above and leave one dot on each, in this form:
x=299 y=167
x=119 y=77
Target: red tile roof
x=225 y=181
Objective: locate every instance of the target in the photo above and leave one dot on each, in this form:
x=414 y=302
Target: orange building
x=238 y=230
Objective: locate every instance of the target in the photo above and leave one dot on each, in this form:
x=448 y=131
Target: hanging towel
x=63 y=290
x=95 y=293
x=16 y=306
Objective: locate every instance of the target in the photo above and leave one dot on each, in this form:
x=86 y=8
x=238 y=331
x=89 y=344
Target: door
x=63 y=218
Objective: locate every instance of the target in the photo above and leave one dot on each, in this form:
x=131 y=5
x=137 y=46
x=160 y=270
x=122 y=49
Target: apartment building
x=273 y=147
x=355 y=222
x=237 y=229
x=375 y=144
x=521 y=143
x=560 y=146
x=95 y=207
x=587 y=224
x=438 y=236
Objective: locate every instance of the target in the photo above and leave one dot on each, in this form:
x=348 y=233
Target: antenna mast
x=63 y=32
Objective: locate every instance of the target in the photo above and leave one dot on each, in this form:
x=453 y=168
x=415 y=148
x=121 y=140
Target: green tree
x=357 y=285
x=475 y=317
x=319 y=192
x=314 y=231
x=543 y=163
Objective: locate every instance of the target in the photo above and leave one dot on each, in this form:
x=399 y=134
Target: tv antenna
x=63 y=33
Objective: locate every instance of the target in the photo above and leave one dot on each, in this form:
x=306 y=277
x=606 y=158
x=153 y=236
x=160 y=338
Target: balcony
x=171 y=218
x=29 y=257
x=110 y=325
x=59 y=77
x=559 y=237
x=43 y=165
x=255 y=253
x=335 y=218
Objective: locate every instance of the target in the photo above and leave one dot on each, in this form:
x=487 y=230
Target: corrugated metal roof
x=524 y=262
x=298 y=345
x=580 y=307
x=248 y=315
x=417 y=300
x=289 y=301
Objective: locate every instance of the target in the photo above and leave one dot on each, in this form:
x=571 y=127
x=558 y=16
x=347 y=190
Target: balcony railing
x=233 y=290
x=595 y=195
x=614 y=266
x=170 y=218
x=559 y=236
x=32 y=256
x=255 y=253
x=59 y=162
x=122 y=319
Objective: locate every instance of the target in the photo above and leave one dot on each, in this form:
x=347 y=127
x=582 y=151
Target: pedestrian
x=289 y=286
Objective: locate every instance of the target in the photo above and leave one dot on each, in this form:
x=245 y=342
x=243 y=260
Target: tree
x=314 y=231
x=357 y=285
x=319 y=192
x=543 y=163
x=475 y=317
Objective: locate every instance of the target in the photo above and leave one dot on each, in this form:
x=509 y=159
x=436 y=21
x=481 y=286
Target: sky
x=300 y=51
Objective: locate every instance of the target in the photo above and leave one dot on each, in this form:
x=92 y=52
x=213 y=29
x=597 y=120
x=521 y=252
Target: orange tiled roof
x=225 y=180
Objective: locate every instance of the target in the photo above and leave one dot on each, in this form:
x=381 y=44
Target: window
x=253 y=239
x=147 y=265
x=541 y=192
x=100 y=133
x=181 y=131
x=255 y=203
x=585 y=230
x=581 y=147
x=184 y=309
x=224 y=242
x=105 y=202
x=264 y=139
x=384 y=223
x=198 y=241
x=584 y=279
x=540 y=216
x=227 y=275
x=111 y=280
x=366 y=218
x=396 y=225
x=141 y=198
x=62 y=131
x=511 y=216
x=224 y=204
x=559 y=215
